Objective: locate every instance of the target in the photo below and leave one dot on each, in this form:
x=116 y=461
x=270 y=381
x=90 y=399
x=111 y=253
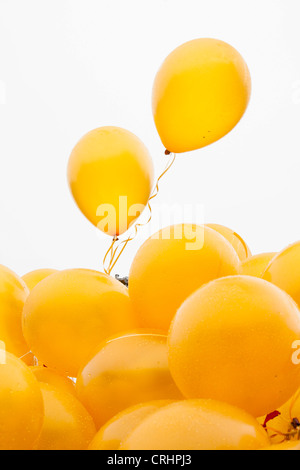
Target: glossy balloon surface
x=13 y=294
x=21 y=405
x=51 y=377
x=197 y=425
x=234 y=239
x=34 y=277
x=67 y=424
x=284 y=271
x=107 y=164
x=124 y=372
x=69 y=313
x=256 y=265
x=112 y=434
x=233 y=341
x=200 y=93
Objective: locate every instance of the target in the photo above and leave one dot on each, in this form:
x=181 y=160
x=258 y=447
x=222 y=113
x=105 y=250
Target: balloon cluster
x=202 y=350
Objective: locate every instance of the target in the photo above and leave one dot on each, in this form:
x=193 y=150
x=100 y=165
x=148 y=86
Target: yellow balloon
x=67 y=424
x=200 y=93
x=13 y=293
x=110 y=174
x=256 y=265
x=232 y=340
x=284 y=271
x=171 y=265
x=124 y=372
x=234 y=239
x=69 y=313
x=21 y=405
x=34 y=277
x=197 y=425
x=51 y=377
x=113 y=433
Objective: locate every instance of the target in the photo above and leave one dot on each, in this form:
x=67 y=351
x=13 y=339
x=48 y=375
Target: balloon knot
x=167 y=152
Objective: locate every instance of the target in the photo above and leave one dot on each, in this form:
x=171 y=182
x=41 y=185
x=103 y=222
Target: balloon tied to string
x=118 y=246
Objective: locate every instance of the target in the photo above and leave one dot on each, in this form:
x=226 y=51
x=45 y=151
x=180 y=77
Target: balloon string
x=25 y=355
x=109 y=252
x=116 y=252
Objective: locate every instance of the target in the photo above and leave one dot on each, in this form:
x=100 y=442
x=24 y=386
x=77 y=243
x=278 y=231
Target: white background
x=68 y=66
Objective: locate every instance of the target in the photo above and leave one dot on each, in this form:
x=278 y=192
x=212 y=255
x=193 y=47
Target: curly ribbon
x=115 y=252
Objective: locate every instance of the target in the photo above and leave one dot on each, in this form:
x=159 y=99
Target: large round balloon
x=21 y=405
x=171 y=265
x=124 y=372
x=67 y=424
x=13 y=293
x=197 y=425
x=200 y=93
x=232 y=340
x=110 y=174
x=69 y=313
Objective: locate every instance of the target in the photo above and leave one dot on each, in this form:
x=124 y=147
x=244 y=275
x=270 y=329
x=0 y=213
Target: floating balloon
x=284 y=271
x=21 y=405
x=13 y=293
x=67 y=424
x=124 y=372
x=110 y=174
x=232 y=340
x=51 y=377
x=113 y=433
x=234 y=239
x=197 y=425
x=256 y=265
x=171 y=265
x=200 y=93
x=34 y=277
x=69 y=313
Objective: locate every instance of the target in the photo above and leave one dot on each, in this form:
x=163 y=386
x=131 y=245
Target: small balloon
x=110 y=174
x=200 y=93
